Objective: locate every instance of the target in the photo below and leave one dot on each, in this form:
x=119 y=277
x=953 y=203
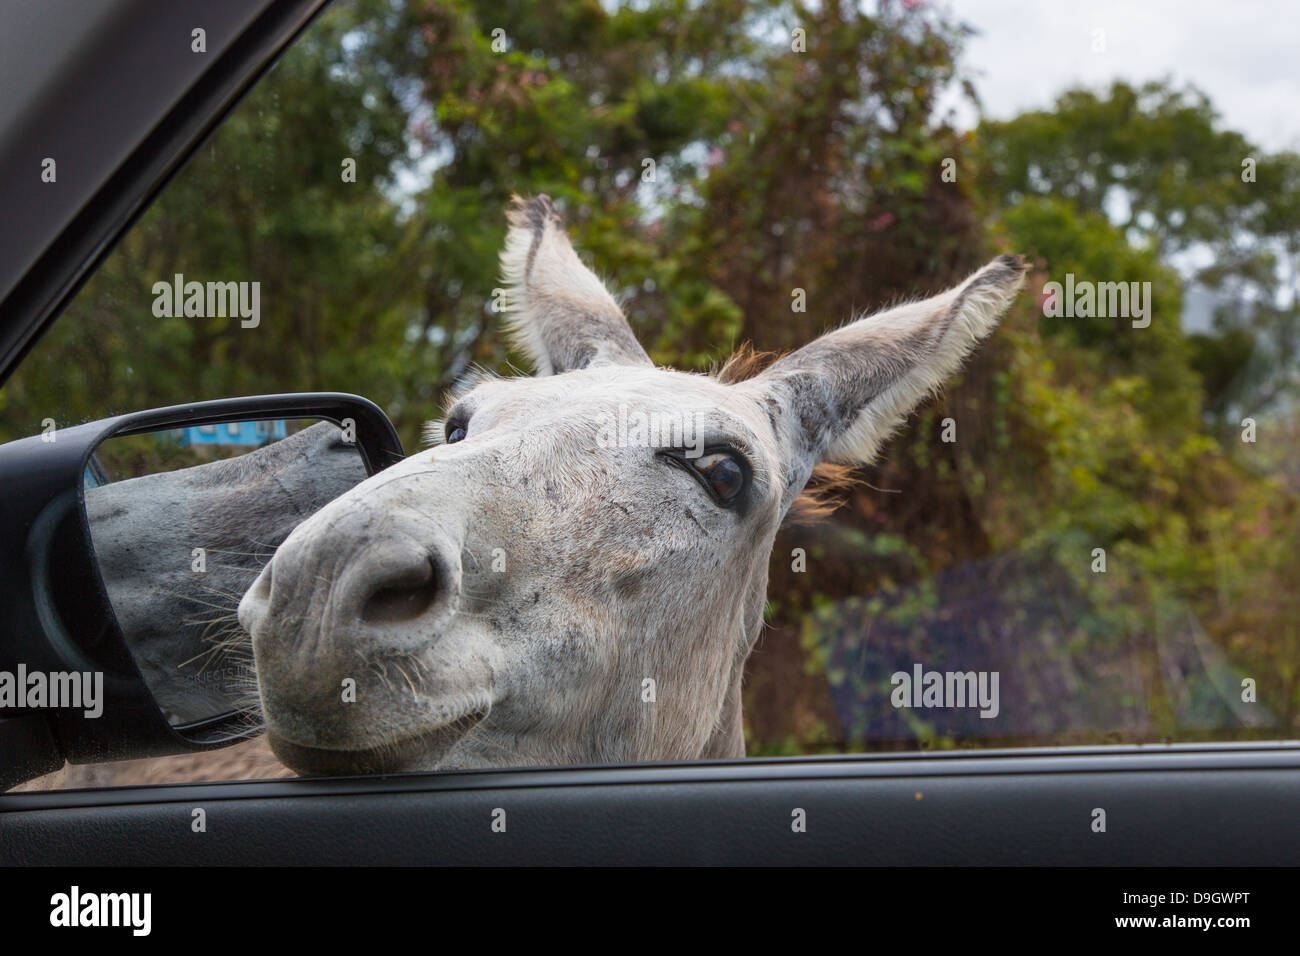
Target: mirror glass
x=182 y=521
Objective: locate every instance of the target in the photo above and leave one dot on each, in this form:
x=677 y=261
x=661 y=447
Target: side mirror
x=127 y=545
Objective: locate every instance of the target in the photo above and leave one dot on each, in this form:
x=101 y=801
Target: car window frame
x=88 y=238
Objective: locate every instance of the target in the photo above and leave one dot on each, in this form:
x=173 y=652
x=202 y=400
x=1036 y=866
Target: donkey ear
x=558 y=312
x=840 y=397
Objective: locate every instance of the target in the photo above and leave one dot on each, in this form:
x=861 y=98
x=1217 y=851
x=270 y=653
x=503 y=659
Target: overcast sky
x=1245 y=54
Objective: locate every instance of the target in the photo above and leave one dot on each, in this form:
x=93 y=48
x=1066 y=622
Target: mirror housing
x=57 y=613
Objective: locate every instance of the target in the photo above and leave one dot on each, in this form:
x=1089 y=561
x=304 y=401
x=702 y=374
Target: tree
x=1157 y=163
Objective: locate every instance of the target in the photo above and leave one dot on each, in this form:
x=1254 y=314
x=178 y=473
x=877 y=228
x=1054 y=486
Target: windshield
x=1087 y=536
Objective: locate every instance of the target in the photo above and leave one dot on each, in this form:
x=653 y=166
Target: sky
x=1245 y=54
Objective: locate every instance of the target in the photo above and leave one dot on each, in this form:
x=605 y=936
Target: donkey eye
x=723 y=474
x=722 y=471
x=455 y=434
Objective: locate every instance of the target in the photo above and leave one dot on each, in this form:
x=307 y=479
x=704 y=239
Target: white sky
x=1244 y=54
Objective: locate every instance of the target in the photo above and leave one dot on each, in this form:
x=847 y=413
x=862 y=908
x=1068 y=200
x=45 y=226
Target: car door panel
x=1230 y=806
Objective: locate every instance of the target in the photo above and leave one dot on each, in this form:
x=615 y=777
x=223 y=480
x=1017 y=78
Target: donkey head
x=576 y=571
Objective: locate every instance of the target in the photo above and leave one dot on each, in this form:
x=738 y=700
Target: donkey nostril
x=397 y=604
x=403 y=599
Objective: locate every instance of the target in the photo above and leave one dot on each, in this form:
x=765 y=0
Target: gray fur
x=558 y=312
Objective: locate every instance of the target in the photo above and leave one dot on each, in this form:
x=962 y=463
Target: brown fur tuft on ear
x=829 y=485
x=828 y=488
x=745 y=362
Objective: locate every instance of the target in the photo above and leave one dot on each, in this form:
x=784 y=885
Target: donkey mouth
x=422 y=751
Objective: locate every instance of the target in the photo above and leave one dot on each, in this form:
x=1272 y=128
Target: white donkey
x=547 y=585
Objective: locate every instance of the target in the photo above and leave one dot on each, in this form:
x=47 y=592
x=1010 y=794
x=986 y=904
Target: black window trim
x=64 y=267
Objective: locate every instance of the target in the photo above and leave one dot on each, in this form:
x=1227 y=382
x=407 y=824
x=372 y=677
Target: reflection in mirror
x=182 y=521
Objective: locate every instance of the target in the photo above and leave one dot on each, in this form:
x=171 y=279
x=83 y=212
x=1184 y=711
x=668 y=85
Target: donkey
x=545 y=586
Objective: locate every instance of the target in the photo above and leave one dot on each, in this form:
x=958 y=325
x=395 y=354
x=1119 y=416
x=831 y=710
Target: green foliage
x=1156 y=162
x=1087 y=246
